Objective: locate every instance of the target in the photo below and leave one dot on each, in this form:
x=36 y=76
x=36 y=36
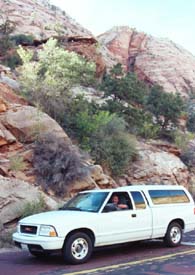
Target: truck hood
x=57 y=217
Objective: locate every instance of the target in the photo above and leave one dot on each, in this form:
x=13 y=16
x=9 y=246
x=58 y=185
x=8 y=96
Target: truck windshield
x=90 y=202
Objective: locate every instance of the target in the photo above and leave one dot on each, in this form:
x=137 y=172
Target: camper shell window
x=168 y=196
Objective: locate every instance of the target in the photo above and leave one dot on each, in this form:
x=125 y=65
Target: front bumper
x=45 y=243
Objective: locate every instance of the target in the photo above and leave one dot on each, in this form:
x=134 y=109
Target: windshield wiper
x=71 y=208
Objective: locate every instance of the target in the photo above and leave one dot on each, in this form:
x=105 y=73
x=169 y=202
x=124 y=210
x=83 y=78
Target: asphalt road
x=142 y=258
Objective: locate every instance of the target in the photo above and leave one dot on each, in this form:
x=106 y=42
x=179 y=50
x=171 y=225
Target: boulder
x=26 y=123
x=96 y=179
x=14 y=196
x=156 y=166
x=10 y=82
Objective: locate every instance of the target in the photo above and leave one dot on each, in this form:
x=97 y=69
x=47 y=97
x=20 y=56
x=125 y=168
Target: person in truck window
x=120 y=206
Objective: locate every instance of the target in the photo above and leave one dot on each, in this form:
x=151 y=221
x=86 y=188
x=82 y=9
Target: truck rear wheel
x=173 y=236
x=78 y=248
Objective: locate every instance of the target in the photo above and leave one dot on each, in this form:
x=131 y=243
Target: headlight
x=47 y=230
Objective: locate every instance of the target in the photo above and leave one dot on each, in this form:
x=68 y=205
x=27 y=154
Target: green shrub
x=17 y=163
x=88 y=124
x=57 y=164
x=188 y=157
x=47 y=81
x=182 y=139
x=6 y=28
x=191 y=122
x=22 y=39
x=191 y=114
x=124 y=87
x=6 y=238
x=70 y=115
x=34 y=207
x=134 y=117
x=102 y=134
x=115 y=153
x=12 y=61
x=112 y=147
x=166 y=107
x=149 y=130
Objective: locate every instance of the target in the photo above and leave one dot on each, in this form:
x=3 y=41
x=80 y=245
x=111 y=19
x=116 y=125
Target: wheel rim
x=175 y=234
x=79 y=248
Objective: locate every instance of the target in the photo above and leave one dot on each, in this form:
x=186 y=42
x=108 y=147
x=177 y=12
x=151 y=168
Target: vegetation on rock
x=148 y=112
x=57 y=164
x=130 y=107
x=166 y=107
x=6 y=29
x=47 y=81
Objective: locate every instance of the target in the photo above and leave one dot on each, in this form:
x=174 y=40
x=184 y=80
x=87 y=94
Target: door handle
x=133 y=215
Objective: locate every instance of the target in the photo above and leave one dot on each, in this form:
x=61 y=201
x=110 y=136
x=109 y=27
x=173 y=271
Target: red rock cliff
x=155 y=60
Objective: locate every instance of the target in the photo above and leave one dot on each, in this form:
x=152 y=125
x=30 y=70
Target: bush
x=6 y=238
x=12 y=61
x=166 y=107
x=124 y=87
x=22 y=39
x=115 y=153
x=34 y=207
x=17 y=163
x=70 y=115
x=190 y=106
x=6 y=28
x=102 y=134
x=188 y=157
x=182 y=139
x=112 y=147
x=149 y=130
x=191 y=123
x=133 y=116
x=47 y=82
x=88 y=124
x=57 y=164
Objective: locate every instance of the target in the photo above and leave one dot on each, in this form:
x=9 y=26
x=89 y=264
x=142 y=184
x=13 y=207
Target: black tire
x=78 y=248
x=174 y=234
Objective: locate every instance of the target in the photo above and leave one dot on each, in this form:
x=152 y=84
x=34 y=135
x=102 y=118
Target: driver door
x=126 y=225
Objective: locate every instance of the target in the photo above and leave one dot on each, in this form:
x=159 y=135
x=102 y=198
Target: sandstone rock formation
x=14 y=196
x=40 y=19
x=154 y=60
x=20 y=126
x=88 y=48
x=157 y=163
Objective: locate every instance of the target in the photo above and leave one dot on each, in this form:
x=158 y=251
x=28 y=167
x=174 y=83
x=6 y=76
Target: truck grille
x=28 y=229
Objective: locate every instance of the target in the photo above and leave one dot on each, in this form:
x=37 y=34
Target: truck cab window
x=138 y=200
x=120 y=200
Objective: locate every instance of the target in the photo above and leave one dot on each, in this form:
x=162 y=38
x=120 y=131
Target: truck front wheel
x=173 y=236
x=78 y=248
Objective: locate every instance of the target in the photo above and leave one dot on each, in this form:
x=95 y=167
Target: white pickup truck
x=91 y=219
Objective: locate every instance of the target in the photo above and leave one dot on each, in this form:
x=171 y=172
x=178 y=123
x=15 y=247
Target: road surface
x=141 y=258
